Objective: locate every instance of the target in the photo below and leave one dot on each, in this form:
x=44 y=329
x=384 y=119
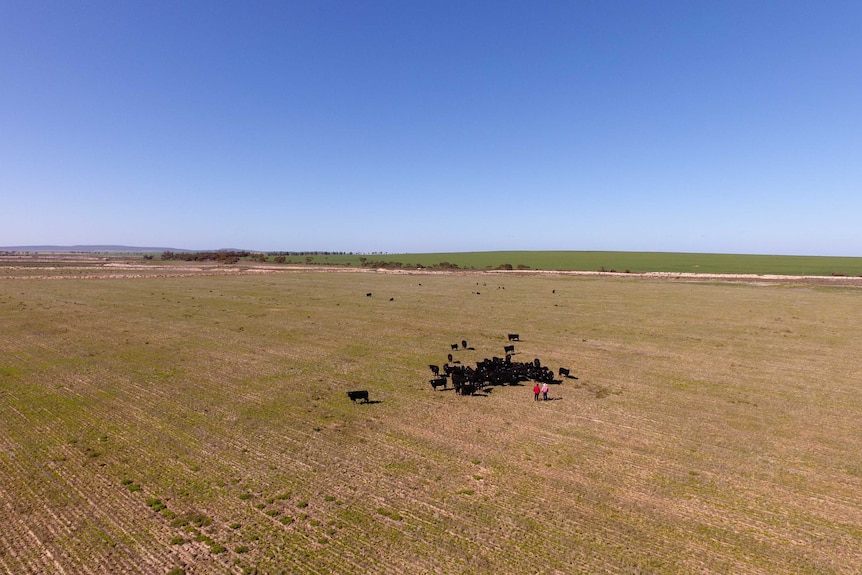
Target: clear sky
x=432 y=126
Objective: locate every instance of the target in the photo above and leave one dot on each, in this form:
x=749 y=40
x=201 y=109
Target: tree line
x=223 y=256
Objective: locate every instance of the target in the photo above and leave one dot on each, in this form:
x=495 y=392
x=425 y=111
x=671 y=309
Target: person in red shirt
x=537 y=390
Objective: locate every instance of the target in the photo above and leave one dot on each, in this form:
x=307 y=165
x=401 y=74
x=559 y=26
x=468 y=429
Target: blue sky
x=723 y=127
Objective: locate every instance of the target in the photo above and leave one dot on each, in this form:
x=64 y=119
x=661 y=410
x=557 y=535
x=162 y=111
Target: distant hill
x=89 y=249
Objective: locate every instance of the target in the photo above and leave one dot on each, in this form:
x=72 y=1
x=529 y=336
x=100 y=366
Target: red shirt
x=537 y=389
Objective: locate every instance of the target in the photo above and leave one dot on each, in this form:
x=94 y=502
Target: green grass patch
x=393 y=515
x=192 y=518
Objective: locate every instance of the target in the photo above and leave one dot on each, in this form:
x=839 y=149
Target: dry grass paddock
x=199 y=424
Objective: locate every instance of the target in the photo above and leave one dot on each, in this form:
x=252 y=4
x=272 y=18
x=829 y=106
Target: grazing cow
x=392 y=299
x=368 y=294
x=564 y=372
x=509 y=349
x=438 y=382
x=359 y=394
x=435 y=369
x=454 y=346
x=468 y=388
x=514 y=337
x=458 y=380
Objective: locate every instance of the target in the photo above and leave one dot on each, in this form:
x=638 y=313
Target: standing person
x=536 y=391
x=545 y=392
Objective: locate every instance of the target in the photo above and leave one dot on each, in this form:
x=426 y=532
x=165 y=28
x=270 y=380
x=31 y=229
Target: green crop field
x=198 y=423
x=634 y=262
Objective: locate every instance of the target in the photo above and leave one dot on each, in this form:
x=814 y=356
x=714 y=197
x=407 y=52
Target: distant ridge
x=88 y=249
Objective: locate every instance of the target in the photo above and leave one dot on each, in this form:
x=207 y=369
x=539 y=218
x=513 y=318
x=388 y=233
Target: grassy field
x=634 y=262
x=199 y=424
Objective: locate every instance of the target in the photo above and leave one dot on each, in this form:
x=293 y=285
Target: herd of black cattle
x=468 y=380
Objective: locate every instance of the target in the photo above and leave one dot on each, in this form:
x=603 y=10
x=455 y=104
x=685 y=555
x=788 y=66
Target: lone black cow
x=356 y=395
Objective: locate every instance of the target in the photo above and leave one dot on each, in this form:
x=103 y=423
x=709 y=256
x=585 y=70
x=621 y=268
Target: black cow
x=360 y=394
x=459 y=378
x=438 y=382
x=368 y=294
x=454 y=346
x=464 y=343
x=509 y=349
x=468 y=388
x=435 y=369
x=514 y=337
x=564 y=372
